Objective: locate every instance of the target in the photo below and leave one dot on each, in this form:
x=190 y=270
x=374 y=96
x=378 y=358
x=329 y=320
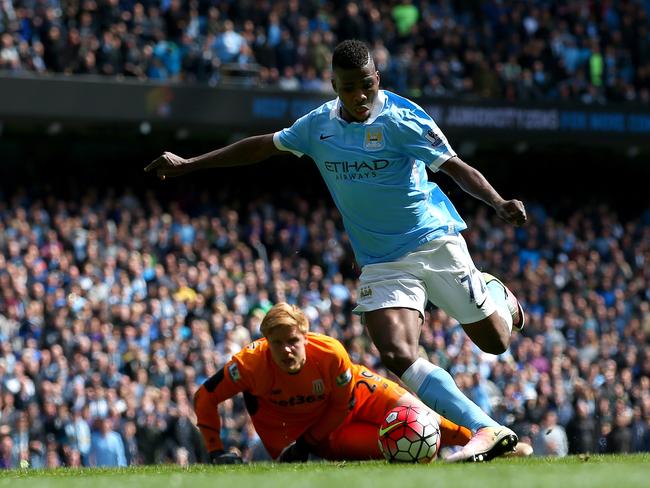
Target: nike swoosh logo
x=479 y=305
x=382 y=432
x=322 y=137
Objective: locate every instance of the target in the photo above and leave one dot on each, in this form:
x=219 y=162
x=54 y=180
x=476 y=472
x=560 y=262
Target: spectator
x=552 y=55
x=288 y=80
x=551 y=439
x=106 y=448
x=131 y=448
x=119 y=354
x=620 y=437
x=79 y=435
x=8 y=458
x=581 y=430
x=184 y=434
x=350 y=23
x=405 y=15
x=228 y=43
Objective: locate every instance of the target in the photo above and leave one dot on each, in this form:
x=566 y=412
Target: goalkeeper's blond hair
x=284 y=315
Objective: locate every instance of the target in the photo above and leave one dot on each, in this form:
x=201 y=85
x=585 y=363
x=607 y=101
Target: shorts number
x=470 y=285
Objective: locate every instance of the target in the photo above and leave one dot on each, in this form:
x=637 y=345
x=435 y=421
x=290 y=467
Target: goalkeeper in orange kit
x=305 y=396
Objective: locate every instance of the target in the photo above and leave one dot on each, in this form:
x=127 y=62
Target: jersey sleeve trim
x=435 y=165
x=282 y=147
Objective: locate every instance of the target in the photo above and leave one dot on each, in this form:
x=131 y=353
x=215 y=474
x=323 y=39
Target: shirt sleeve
x=295 y=139
x=338 y=406
x=422 y=139
x=229 y=381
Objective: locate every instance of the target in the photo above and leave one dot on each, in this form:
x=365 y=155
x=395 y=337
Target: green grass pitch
x=618 y=471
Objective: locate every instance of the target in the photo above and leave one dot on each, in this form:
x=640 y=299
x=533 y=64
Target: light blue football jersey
x=376 y=173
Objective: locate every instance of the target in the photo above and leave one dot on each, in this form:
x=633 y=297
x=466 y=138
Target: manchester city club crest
x=374 y=139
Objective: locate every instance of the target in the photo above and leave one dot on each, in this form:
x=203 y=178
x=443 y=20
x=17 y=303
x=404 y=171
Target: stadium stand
x=116 y=305
x=115 y=308
x=585 y=51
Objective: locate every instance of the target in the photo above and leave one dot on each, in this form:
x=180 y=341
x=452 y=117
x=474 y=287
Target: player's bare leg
x=395 y=332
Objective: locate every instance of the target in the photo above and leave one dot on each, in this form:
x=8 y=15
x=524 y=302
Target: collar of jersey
x=376 y=109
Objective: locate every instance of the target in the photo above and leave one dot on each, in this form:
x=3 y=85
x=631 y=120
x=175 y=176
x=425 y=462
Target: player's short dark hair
x=350 y=54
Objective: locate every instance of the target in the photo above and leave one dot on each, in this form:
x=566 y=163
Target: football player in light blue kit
x=372 y=148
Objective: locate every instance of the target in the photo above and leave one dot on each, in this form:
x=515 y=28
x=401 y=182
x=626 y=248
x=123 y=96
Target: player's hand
x=512 y=211
x=296 y=452
x=169 y=165
x=223 y=457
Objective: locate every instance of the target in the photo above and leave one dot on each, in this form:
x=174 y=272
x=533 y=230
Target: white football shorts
x=441 y=271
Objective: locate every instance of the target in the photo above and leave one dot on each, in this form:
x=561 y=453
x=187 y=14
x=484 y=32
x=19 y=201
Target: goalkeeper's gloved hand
x=222 y=457
x=296 y=452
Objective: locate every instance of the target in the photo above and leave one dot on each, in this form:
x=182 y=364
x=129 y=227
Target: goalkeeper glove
x=296 y=452
x=222 y=457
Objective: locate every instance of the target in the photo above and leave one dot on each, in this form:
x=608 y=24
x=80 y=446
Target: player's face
x=357 y=89
x=287 y=346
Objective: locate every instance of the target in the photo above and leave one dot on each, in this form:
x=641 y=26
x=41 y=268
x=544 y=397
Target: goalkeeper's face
x=287 y=346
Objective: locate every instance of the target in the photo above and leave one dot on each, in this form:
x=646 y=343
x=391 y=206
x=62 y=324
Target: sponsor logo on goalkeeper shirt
x=297 y=400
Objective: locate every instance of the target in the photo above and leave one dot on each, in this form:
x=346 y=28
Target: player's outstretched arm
x=247 y=151
x=216 y=389
x=473 y=182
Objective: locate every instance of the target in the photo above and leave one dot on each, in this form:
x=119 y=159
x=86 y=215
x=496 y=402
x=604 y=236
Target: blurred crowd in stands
x=583 y=50
x=115 y=308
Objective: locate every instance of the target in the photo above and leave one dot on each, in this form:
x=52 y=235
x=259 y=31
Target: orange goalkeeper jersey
x=283 y=406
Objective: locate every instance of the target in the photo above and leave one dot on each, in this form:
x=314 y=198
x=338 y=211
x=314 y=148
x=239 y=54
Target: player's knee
x=491 y=335
x=498 y=344
x=397 y=360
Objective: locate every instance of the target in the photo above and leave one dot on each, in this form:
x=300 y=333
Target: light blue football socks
x=438 y=390
x=498 y=294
